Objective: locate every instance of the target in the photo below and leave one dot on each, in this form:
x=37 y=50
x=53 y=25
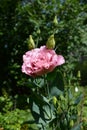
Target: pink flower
x=41 y=60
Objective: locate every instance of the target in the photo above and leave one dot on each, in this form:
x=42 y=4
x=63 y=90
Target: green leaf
x=40 y=114
x=39 y=82
x=55 y=91
x=51 y=76
x=48 y=113
x=37 y=112
x=30 y=84
x=41 y=109
x=78 y=99
x=35 y=108
x=55 y=78
x=59 y=80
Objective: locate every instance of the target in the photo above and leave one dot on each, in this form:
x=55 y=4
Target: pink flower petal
x=40 y=61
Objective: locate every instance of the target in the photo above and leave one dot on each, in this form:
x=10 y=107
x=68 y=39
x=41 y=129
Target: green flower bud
x=79 y=74
x=50 y=42
x=38 y=31
x=31 y=44
x=55 y=21
x=54 y=100
x=71 y=123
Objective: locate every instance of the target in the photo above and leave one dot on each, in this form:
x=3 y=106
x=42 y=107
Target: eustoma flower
x=39 y=61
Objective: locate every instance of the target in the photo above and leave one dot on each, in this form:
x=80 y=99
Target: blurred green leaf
x=56 y=82
x=54 y=91
x=79 y=98
x=35 y=108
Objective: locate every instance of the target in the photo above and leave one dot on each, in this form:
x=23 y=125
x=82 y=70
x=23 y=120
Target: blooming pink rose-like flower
x=39 y=61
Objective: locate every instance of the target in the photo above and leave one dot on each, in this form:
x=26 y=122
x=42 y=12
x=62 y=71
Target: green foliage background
x=21 y=18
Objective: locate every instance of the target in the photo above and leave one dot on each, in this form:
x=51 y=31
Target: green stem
x=47 y=86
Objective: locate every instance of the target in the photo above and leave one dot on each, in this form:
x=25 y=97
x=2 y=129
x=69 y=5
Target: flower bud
x=38 y=31
x=54 y=100
x=71 y=123
x=55 y=21
x=79 y=74
x=50 y=42
x=31 y=44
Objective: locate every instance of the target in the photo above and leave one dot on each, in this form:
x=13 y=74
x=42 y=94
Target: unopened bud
x=79 y=74
x=50 y=42
x=54 y=100
x=38 y=31
x=31 y=44
x=71 y=123
x=55 y=21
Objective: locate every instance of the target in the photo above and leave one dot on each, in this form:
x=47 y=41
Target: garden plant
x=43 y=61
